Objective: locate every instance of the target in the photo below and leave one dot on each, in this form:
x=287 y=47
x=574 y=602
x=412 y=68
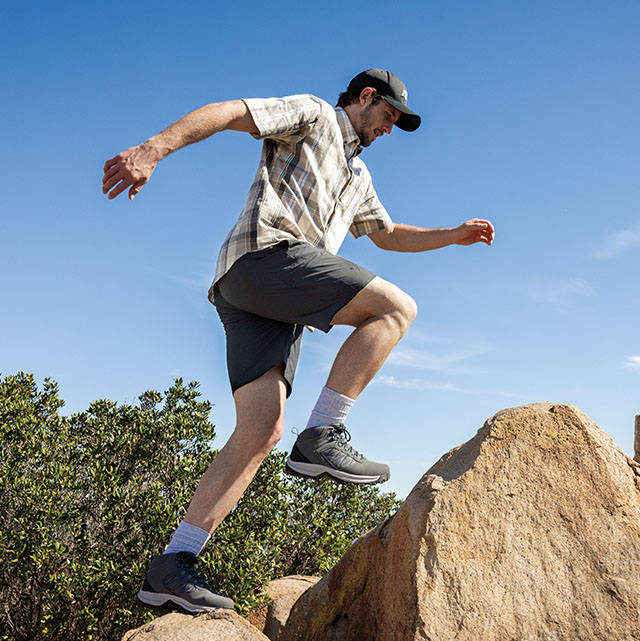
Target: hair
x=351 y=97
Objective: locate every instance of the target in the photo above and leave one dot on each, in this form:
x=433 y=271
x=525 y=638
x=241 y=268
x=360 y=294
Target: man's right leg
x=260 y=422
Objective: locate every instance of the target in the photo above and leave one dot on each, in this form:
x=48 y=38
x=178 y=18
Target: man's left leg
x=297 y=284
x=381 y=313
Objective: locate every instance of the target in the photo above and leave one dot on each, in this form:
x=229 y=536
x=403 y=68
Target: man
x=277 y=272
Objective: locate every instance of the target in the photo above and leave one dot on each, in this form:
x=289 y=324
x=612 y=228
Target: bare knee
x=402 y=312
x=261 y=437
x=269 y=437
x=260 y=411
x=406 y=311
x=273 y=434
x=379 y=299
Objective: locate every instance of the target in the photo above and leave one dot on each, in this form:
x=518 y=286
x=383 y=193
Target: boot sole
x=158 y=601
x=314 y=471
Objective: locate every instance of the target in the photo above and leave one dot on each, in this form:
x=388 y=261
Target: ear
x=365 y=96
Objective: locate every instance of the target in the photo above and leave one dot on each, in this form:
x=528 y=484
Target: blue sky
x=530 y=118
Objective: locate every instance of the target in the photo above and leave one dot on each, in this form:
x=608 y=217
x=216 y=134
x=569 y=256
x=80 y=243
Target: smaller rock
x=216 y=625
x=290 y=585
x=284 y=592
x=278 y=589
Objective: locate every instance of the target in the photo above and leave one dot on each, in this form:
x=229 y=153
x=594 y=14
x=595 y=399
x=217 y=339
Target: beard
x=364 y=126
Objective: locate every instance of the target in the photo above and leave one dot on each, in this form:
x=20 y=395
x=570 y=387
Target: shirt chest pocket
x=351 y=196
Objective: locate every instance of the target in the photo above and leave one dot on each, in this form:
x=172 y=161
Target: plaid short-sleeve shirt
x=310 y=184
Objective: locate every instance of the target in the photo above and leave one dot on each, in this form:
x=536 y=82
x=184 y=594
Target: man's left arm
x=407 y=238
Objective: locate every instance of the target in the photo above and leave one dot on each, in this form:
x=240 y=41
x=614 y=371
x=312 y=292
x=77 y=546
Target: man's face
x=374 y=120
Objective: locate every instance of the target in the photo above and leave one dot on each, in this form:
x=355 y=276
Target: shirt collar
x=349 y=136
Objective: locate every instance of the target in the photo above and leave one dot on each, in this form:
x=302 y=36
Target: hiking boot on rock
x=173 y=581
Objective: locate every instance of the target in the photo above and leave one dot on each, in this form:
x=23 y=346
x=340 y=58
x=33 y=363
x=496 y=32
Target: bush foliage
x=85 y=500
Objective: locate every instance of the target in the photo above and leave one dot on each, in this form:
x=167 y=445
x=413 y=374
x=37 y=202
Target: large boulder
x=529 y=531
x=217 y=625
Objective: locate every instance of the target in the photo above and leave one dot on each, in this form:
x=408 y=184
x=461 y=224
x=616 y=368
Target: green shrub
x=86 y=500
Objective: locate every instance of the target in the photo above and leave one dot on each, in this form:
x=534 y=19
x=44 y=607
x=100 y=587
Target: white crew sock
x=187 y=538
x=331 y=408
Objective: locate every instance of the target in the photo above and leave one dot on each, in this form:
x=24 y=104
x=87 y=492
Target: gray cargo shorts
x=268 y=296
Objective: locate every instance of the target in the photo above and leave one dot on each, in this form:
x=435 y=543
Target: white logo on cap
x=404 y=95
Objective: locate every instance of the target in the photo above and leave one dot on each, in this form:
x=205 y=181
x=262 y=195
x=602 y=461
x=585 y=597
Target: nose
x=387 y=128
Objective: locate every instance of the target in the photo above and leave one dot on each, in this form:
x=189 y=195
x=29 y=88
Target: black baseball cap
x=393 y=90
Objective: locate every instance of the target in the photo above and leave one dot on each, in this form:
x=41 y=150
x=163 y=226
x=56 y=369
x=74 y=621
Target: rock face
x=217 y=625
x=528 y=532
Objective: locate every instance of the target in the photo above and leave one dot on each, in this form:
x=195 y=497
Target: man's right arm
x=133 y=167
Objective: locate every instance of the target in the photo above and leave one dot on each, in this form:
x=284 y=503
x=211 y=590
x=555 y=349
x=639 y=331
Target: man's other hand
x=474 y=231
x=131 y=168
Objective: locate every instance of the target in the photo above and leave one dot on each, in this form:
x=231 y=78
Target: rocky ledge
x=529 y=531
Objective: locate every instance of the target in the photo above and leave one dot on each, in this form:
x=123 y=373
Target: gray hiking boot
x=325 y=451
x=173 y=581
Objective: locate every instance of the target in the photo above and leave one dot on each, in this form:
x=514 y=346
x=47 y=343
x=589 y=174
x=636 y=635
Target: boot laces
x=186 y=561
x=341 y=437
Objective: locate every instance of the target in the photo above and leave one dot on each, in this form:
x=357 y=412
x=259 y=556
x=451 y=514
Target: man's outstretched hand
x=131 y=168
x=475 y=231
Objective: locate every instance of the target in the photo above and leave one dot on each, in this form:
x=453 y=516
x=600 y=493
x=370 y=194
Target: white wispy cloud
x=196 y=283
x=632 y=361
x=415 y=384
x=617 y=242
x=195 y=286
x=560 y=291
x=384 y=380
x=422 y=359
x=410 y=353
x=420 y=336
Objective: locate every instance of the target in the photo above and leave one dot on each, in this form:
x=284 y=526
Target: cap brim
x=409 y=120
